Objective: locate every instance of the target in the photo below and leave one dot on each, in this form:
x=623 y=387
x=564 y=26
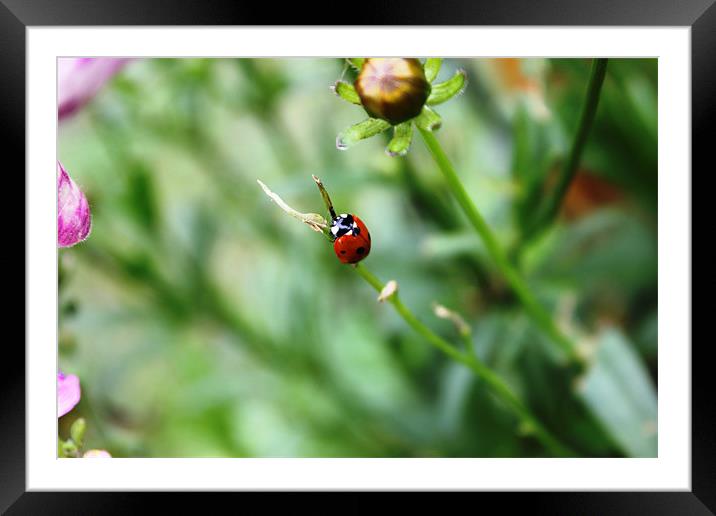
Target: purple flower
x=68 y=393
x=79 y=79
x=73 y=213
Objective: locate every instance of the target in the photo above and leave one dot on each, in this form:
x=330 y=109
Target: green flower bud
x=69 y=449
x=77 y=431
x=393 y=89
x=396 y=93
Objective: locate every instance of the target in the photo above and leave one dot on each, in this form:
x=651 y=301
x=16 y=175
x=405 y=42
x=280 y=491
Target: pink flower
x=68 y=393
x=79 y=79
x=97 y=454
x=73 y=213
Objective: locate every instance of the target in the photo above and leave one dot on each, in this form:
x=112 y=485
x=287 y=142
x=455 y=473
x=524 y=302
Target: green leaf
x=142 y=197
x=618 y=391
x=432 y=67
x=530 y=159
x=428 y=120
x=448 y=89
x=347 y=92
x=446 y=246
x=356 y=62
x=609 y=249
x=402 y=136
x=361 y=131
x=454 y=394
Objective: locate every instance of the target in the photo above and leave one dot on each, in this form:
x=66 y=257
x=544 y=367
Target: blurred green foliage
x=204 y=322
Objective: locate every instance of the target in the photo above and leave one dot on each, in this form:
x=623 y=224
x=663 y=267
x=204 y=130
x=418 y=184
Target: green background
x=204 y=322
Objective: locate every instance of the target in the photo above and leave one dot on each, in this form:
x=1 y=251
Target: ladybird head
x=344 y=224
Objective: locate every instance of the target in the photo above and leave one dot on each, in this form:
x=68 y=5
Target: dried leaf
x=315 y=221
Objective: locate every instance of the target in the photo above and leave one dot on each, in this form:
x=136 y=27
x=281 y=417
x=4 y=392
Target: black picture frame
x=700 y=15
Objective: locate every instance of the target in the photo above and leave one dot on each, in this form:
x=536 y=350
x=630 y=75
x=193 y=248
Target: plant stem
x=550 y=207
x=515 y=280
x=498 y=386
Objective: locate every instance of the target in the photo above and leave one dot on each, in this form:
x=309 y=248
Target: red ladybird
x=351 y=238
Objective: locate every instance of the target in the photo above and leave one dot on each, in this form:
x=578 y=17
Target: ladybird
x=351 y=238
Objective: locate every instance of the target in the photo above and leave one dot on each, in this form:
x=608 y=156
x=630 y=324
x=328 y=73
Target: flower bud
x=77 y=431
x=80 y=79
x=68 y=393
x=393 y=89
x=96 y=454
x=73 y=213
x=69 y=449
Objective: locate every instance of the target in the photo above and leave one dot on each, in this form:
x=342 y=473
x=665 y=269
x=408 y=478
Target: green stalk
x=498 y=386
x=551 y=206
x=538 y=314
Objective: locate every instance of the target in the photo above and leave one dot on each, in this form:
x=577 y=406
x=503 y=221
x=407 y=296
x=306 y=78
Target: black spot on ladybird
x=343 y=251
x=360 y=250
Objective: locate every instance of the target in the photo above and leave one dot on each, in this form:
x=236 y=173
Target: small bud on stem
x=445 y=313
x=392 y=89
x=390 y=289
